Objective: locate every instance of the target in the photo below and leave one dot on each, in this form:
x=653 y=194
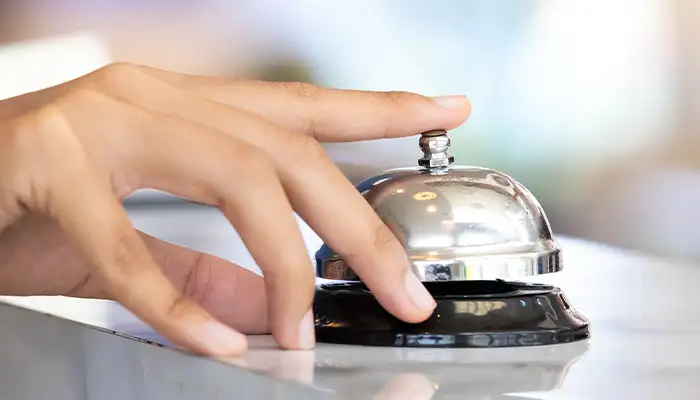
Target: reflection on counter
x=419 y=374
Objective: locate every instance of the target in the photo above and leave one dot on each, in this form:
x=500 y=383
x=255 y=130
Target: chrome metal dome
x=456 y=222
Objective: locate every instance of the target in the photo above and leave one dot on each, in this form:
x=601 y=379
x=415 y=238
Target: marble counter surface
x=643 y=316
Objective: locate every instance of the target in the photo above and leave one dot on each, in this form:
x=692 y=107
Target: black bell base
x=469 y=314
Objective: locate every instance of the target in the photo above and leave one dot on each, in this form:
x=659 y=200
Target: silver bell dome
x=456 y=222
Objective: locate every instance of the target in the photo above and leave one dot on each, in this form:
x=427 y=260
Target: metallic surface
x=456 y=222
x=434 y=145
x=644 y=345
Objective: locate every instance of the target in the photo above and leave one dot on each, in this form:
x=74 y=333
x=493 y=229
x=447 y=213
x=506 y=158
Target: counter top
x=642 y=310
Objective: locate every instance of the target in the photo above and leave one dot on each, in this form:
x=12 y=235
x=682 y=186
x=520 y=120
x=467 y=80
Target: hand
x=69 y=155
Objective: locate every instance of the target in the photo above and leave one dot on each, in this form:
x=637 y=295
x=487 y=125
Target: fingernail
x=307 y=334
x=221 y=339
x=420 y=295
x=451 y=102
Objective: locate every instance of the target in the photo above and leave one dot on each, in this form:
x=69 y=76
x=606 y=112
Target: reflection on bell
x=457 y=223
x=466 y=231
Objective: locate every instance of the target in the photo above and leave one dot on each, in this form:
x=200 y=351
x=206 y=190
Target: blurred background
x=590 y=104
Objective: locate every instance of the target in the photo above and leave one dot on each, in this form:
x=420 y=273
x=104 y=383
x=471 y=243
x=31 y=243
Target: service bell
x=469 y=233
x=456 y=222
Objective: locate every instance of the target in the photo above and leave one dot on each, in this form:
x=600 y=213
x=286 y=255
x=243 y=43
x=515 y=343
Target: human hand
x=69 y=155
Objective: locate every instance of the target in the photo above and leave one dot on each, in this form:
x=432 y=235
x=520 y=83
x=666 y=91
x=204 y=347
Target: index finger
x=331 y=115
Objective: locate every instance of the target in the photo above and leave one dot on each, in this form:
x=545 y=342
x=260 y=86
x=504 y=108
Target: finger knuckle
x=303 y=90
x=252 y=161
x=127 y=256
x=178 y=307
x=119 y=71
x=198 y=280
x=43 y=138
x=383 y=238
x=304 y=149
x=244 y=164
x=79 y=288
x=85 y=106
x=81 y=99
x=138 y=84
x=398 y=98
x=286 y=273
x=46 y=136
x=376 y=241
x=121 y=78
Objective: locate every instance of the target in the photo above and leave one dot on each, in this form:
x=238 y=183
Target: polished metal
x=434 y=145
x=456 y=222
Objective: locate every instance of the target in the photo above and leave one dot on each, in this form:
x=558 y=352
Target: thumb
x=107 y=240
x=229 y=292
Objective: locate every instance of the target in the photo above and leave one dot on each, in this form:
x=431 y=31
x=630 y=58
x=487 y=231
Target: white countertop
x=643 y=316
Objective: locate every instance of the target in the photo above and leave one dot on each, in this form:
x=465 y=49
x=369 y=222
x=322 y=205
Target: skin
x=69 y=155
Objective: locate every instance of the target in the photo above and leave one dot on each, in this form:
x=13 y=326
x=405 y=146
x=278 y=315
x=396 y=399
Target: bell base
x=469 y=314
